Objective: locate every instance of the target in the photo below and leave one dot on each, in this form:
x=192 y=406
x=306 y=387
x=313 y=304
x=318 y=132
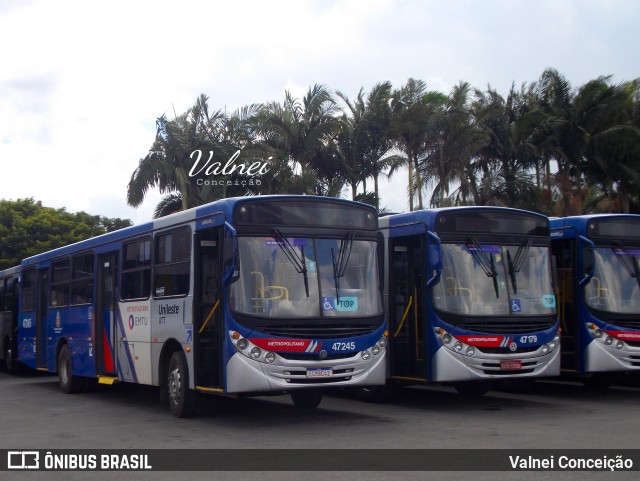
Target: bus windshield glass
x=615 y=286
x=495 y=280
x=285 y=277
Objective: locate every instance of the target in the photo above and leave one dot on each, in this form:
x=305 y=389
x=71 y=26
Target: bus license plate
x=510 y=365
x=320 y=372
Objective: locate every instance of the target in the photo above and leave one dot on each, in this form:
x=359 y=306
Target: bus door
x=105 y=318
x=41 y=319
x=406 y=308
x=564 y=253
x=208 y=309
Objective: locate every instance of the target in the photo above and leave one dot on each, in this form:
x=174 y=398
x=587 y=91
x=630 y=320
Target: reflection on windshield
x=271 y=283
x=495 y=280
x=613 y=287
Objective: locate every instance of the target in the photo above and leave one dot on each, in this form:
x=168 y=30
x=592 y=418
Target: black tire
x=182 y=400
x=599 y=381
x=306 y=398
x=69 y=384
x=9 y=365
x=473 y=388
x=518 y=385
x=374 y=394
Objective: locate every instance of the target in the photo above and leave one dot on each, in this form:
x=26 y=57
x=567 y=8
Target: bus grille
x=294 y=356
x=317 y=332
x=506 y=350
x=521 y=327
x=629 y=323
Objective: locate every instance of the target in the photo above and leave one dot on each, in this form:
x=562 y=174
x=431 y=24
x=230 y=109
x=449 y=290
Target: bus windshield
x=305 y=277
x=615 y=283
x=495 y=280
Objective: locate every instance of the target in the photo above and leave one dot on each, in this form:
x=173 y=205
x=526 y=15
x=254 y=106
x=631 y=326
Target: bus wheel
x=182 y=400
x=374 y=394
x=69 y=384
x=599 y=380
x=8 y=359
x=478 y=388
x=306 y=398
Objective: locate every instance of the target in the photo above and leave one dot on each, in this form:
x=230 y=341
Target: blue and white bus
x=599 y=294
x=254 y=295
x=9 y=316
x=470 y=297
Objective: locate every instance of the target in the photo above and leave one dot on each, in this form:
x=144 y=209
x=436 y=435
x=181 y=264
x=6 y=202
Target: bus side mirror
x=587 y=263
x=234 y=269
x=435 y=259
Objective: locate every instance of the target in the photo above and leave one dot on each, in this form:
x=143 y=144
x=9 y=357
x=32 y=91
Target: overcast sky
x=82 y=82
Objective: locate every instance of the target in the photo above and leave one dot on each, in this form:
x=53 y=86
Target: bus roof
x=570 y=227
x=428 y=216
x=224 y=207
x=10 y=271
x=580 y=221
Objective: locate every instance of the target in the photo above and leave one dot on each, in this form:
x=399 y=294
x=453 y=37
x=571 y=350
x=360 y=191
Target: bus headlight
x=375 y=350
x=383 y=341
x=604 y=337
x=366 y=355
x=457 y=346
x=546 y=348
x=248 y=349
x=255 y=352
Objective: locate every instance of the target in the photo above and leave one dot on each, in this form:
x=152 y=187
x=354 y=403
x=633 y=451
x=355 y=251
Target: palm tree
x=299 y=132
x=365 y=137
x=170 y=159
x=459 y=140
x=517 y=131
x=415 y=118
x=613 y=155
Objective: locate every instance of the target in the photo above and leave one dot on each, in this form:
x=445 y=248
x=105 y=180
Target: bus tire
x=182 y=400
x=69 y=384
x=473 y=388
x=599 y=381
x=306 y=398
x=8 y=358
x=374 y=394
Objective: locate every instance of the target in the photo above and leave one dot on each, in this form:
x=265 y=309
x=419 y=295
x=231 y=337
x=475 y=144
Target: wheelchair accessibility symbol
x=516 y=306
x=327 y=304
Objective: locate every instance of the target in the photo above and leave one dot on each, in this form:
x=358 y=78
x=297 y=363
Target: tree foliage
x=544 y=146
x=28 y=228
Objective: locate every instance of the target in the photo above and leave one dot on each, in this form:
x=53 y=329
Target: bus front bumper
x=247 y=375
x=449 y=366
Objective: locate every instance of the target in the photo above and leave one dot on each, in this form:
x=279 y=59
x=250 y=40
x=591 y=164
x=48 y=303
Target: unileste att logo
x=23 y=460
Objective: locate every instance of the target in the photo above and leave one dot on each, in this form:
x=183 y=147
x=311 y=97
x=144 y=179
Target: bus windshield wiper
x=341 y=261
x=515 y=264
x=485 y=261
x=298 y=260
x=630 y=266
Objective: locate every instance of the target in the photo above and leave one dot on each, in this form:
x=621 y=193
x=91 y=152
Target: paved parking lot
x=554 y=415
